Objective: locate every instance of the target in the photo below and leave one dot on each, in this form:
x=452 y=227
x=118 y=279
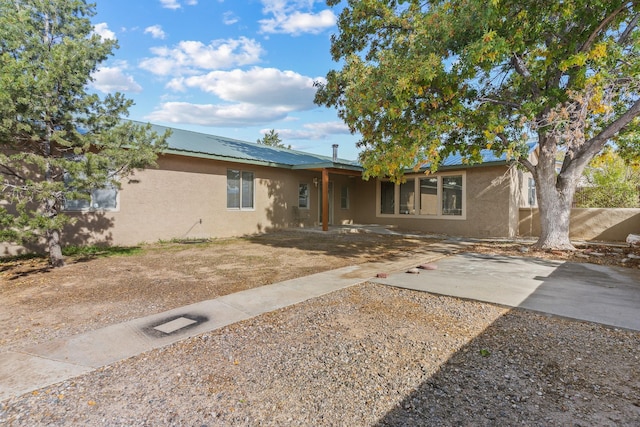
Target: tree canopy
x=58 y=141
x=423 y=79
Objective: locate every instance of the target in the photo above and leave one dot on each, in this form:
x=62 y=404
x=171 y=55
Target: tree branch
x=595 y=144
x=10 y=172
x=627 y=31
x=587 y=44
x=500 y=102
x=521 y=69
x=528 y=165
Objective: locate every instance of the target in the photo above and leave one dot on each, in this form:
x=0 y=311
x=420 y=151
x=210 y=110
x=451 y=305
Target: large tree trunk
x=51 y=209
x=555 y=197
x=554 y=205
x=53 y=235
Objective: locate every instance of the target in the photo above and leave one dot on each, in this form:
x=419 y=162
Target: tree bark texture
x=51 y=210
x=55 y=250
x=555 y=197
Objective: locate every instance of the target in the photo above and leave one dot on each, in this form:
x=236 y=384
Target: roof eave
x=328 y=165
x=226 y=158
x=460 y=167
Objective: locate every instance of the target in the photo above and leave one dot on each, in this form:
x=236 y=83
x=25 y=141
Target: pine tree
x=58 y=141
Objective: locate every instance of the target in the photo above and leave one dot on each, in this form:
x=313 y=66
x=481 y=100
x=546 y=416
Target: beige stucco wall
x=491 y=206
x=588 y=224
x=185 y=198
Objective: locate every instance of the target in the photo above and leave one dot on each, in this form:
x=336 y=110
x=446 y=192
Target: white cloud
x=190 y=56
x=295 y=17
x=252 y=97
x=229 y=18
x=155 y=31
x=315 y=131
x=298 y=23
x=102 y=29
x=258 y=86
x=114 y=79
x=175 y=4
x=219 y=115
x=170 y=4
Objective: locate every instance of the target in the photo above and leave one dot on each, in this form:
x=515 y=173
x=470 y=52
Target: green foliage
x=52 y=128
x=272 y=139
x=628 y=144
x=421 y=80
x=100 y=251
x=610 y=183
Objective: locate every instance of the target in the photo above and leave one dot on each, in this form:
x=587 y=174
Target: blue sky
x=235 y=68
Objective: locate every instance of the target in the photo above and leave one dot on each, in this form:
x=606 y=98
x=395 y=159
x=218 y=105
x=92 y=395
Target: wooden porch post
x=325 y=200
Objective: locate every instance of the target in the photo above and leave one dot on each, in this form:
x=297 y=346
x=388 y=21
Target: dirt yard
x=39 y=304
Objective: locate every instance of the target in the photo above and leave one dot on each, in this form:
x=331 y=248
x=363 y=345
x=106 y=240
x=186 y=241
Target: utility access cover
x=174 y=325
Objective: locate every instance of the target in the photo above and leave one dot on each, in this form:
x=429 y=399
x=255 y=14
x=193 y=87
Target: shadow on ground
x=533 y=368
x=547 y=380
x=347 y=244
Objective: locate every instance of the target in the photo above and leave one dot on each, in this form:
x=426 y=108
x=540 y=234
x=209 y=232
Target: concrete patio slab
x=58 y=360
x=607 y=295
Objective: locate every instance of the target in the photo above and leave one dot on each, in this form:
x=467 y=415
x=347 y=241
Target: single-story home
x=209 y=186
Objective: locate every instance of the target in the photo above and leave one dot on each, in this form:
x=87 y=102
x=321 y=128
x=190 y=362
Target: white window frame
x=241 y=174
x=307 y=192
x=415 y=212
x=532 y=198
x=90 y=205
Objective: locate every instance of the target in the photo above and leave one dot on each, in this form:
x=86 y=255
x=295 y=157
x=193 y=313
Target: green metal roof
x=197 y=144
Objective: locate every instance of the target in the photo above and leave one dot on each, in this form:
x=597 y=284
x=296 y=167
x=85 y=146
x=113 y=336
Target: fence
x=601 y=224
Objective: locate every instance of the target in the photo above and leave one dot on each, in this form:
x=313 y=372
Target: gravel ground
x=366 y=355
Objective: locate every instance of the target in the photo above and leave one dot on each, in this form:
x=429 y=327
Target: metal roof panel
x=235 y=150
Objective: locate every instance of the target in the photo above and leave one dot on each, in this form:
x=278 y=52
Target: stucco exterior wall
x=610 y=225
x=186 y=198
x=491 y=206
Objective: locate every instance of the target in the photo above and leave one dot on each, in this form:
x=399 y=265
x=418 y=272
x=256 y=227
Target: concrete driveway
x=607 y=295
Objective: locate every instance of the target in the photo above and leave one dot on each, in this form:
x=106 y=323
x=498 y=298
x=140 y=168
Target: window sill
x=414 y=216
